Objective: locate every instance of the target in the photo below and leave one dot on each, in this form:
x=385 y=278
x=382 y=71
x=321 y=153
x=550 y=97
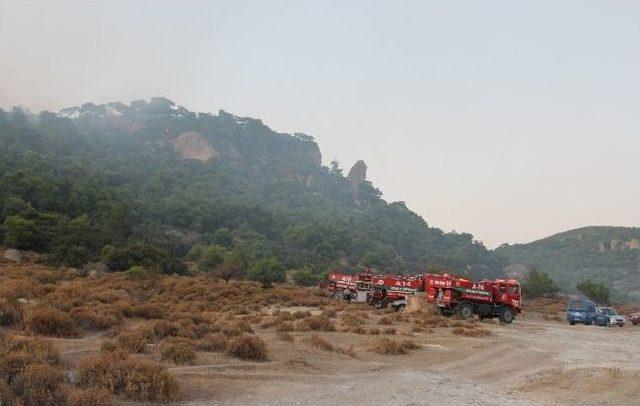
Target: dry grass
x=384 y=320
x=134 y=341
x=49 y=321
x=131 y=378
x=297 y=363
x=11 y=312
x=40 y=384
x=315 y=323
x=178 y=351
x=248 y=347
x=300 y=314
x=87 y=397
x=284 y=326
x=387 y=346
x=96 y=317
x=31 y=374
x=284 y=336
x=164 y=328
x=469 y=331
x=213 y=342
x=318 y=342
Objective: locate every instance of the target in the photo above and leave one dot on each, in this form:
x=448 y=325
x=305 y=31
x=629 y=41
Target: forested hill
x=609 y=254
x=150 y=182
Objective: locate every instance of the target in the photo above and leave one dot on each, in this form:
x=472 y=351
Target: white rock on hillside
x=192 y=145
x=13 y=255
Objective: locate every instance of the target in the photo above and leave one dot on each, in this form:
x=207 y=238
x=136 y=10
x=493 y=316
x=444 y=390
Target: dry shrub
x=316 y=323
x=229 y=330
x=361 y=315
x=248 y=347
x=409 y=345
x=45 y=277
x=301 y=314
x=373 y=331
x=14 y=289
x=50 y=322
x=163 y=328
x=178 y=352
x=349 y=320
x=29 y=367
x=298 y=363
x=96 y=317
x=125 y=376
x=389 y=331
x=417 y=329
x=285 y=336
x=243 y=326
x=40 y=384
x=471 y=332
x=254 y=318
x=385 y=321
x=186 y=328
x=10 y=312
x=284 y=326
x=357 y=330
x=148 y=311
x=283 y=316
x=87 y=397
x=135 y=341
x=387 y=346
x=213 y=342
x=330 y=313
x=7 y=397
x=550 y=305
x=318 y=342
x=349 y=351
x=38 y=350
x=108 y=346
x=268 y=323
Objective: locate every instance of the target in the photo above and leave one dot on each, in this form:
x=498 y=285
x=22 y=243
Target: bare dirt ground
x=528 y=362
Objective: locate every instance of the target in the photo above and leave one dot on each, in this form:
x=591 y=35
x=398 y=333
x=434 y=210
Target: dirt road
x=525 y=363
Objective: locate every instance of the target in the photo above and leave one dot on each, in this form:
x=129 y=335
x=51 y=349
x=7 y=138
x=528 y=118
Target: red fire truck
x=488 y=298
x=392 y=289
x=348 y=286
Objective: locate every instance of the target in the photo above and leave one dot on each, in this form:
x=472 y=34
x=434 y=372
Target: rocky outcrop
x=316 y=156
x=516 y=271
x=358 y=173
x=13 y=255
x=633 y=244
x=616 y=245
x=192 y=145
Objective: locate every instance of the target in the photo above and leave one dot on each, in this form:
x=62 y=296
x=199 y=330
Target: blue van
x=581 y=311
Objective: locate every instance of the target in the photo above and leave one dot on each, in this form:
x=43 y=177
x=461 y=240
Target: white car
x=607 y=316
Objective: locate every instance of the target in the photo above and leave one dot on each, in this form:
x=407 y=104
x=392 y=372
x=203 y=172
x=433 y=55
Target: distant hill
x=610 y=254
x=151 y=181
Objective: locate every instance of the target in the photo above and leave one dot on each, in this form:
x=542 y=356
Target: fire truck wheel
x=465 y=310
x=377 y=303
x=400 y=308
x=506 y=316
x=338 y=294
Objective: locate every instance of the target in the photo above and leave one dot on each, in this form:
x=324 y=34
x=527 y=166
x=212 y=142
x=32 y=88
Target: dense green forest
x=153 y=184
x=607 y=254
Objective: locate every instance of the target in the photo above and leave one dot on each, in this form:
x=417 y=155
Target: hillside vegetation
x=610 y=254
x=153 y=184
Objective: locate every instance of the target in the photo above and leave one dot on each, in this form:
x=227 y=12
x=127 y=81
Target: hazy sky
x=509 y=120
